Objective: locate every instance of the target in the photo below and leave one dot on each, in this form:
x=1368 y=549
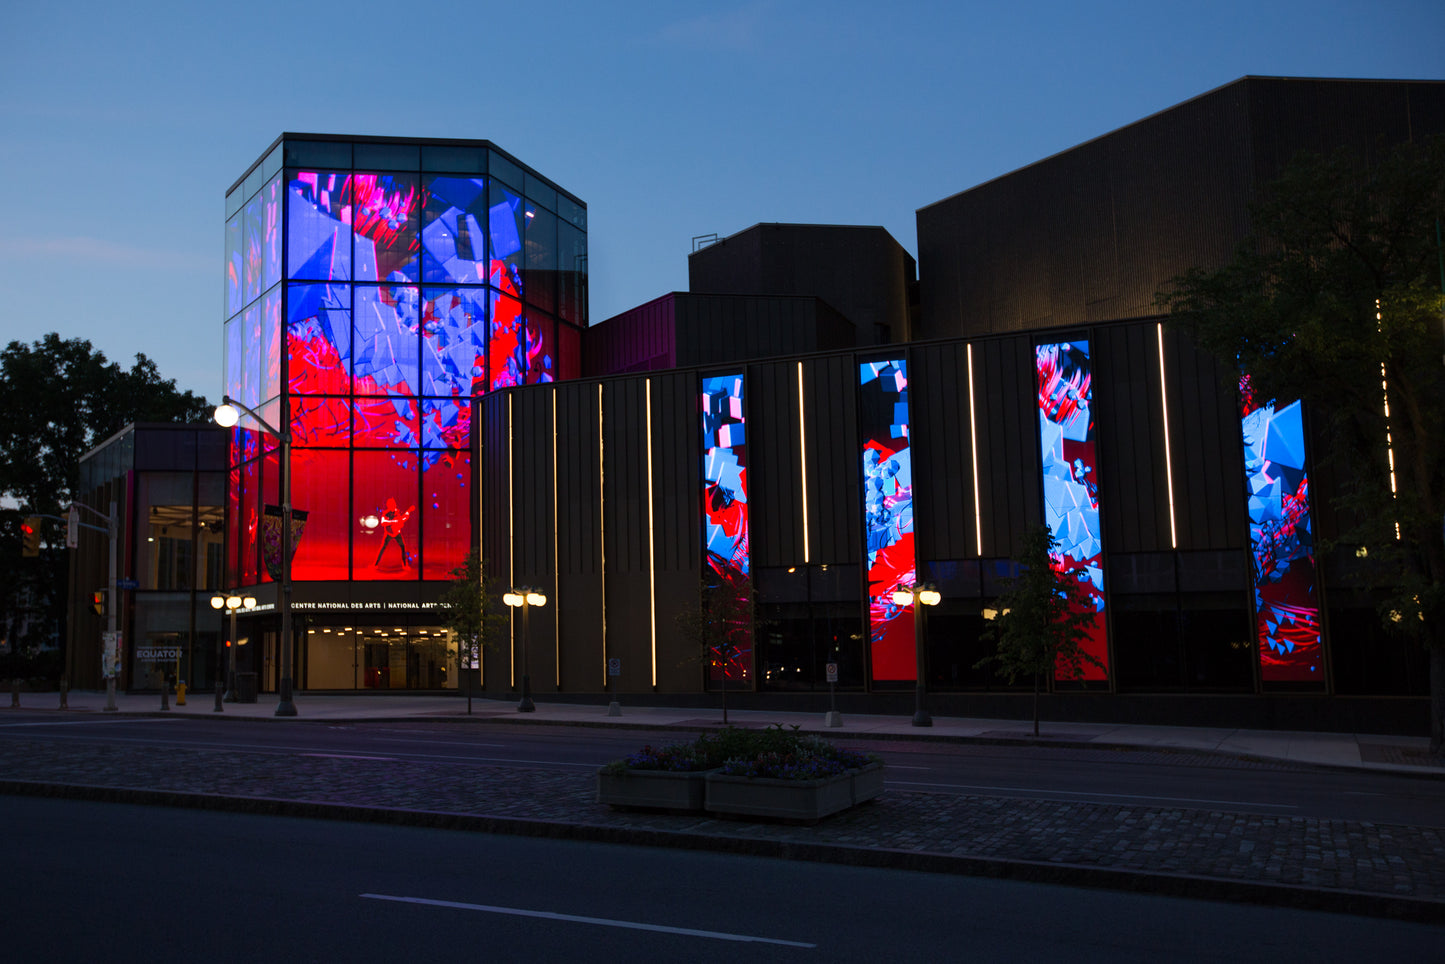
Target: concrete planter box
x=652 y=789
x=807 y=800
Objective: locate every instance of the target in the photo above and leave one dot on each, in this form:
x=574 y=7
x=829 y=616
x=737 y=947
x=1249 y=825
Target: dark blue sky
x=121 y=126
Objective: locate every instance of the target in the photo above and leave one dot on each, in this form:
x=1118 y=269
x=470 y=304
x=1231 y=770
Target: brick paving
x=1366 y=867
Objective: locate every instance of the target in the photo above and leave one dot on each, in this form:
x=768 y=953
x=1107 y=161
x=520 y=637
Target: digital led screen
x=234 y=269
x=446 y=511
x=271 y=234
x=1071 y=480
x=506 y=359
x=386 y=347
x=271 y=345
x=454 y=341
x=453 y=234
x=725 y=510
x=1281 y=539
x=253 y=349
x=386 y=211
x=888 y=516
x=318 y=339
x=318 y=226
x=320 y=479
x=541 y=348
x=253 y=236
x=384 y=497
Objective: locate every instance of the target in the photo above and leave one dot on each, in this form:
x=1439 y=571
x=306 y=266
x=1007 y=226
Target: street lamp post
x=526 y=598
x=925 y=595
x=227 y=415
x=231 y=602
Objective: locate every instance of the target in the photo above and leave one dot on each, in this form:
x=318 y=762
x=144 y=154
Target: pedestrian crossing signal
x=30 y=536
x=97 y=602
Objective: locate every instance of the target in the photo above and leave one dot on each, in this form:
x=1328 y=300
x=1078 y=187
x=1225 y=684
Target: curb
x=1358 y=903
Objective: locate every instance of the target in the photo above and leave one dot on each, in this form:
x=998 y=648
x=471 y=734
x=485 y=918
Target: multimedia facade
x=725 y=513
x=888 y=517
x=416 y=278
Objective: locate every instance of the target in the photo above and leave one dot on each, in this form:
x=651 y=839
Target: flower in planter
x=679 y=757
x=810 y=758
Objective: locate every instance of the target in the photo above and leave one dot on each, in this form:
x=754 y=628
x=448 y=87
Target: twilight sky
x=122 y=125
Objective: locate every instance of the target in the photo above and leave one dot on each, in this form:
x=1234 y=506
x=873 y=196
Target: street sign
x=832 y=672
x=476 y=662
x=126 y=584
x=72 y=528
x=614 y=666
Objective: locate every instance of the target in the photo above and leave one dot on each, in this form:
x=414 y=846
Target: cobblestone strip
x=1367 y=858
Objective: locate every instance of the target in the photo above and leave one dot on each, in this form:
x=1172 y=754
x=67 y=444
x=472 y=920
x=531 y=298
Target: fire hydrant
x=180 y=693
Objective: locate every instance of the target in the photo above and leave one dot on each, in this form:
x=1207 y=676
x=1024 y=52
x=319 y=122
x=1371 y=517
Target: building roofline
x=1238 y=82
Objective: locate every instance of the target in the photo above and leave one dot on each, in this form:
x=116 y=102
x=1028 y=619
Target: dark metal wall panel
x=775 y=495
x=579 y=491
x=641 y=339
x=495 y=485
x=534 y=533
x=624 y=503
x=1133 y=484
x=1008 y=454
x=835 y=461
x=1209 y=502
x=677 y=472
x=942 y=454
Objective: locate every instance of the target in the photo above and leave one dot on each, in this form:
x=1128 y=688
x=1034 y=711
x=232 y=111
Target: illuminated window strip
x=803 y=460
x=1168 y=458
x=1389 y=436
x=651 y=544
x=973 y=445
x=511 y=542
x=556 y=568
x=602 y=530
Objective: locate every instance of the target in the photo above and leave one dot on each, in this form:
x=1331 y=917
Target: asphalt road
x=86 y=881
x=1144 y=777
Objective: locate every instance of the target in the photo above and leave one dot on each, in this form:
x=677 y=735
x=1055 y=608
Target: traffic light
x=97 y=602
x=30 y=536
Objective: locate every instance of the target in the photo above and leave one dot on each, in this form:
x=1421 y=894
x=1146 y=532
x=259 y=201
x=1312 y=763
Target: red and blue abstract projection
x=725 y=509
x=1071 y=480
x=888 y=516
x=1282 y=541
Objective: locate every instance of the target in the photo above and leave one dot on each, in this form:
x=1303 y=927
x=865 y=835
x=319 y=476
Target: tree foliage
x=719 y=625
x=62 y=398
x=469 y=610
x=1043 y=620
x=1336 y=299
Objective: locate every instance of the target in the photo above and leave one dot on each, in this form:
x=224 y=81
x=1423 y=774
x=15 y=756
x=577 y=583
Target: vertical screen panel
x=234 y=269
x=384 y=499
x=386 y=354
x=725 y=510
x=253 y=236
x=1071 y=479
x=454 y=230
x=320 y=480
x=1281 y=538
x=318 y=339
x=454 y=342
x=888 y=516
x=318 y=226
x=506 y=361
x=271 y=345
x=386 y=213
x=541 y=348
x=446 y=515
x=271 y=234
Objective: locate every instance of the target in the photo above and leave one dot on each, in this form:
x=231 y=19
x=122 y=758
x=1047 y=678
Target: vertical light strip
x=602 y=529
x=1168 y=459
x=651 y=545
x=511 y=541
x=803 y=460
x=973 y=446
x=556 y=566
x=1389 y=436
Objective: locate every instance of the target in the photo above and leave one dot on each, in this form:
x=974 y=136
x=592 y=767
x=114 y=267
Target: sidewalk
x=1401 y=754
x=1336 y=865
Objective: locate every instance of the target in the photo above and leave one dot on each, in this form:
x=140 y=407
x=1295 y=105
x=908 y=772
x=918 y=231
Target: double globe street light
x=927 y=596
x=231 y=602
x=525 y=598
x=228 y=414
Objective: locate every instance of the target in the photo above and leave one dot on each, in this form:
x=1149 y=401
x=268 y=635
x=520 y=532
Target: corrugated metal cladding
x=572 y=513
x=1092 y=234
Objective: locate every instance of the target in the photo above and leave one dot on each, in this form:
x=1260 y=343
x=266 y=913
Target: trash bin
x=245 y=687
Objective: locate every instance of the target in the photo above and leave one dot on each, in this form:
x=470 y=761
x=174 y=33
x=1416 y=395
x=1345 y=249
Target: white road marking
x=349 y=756
x=600 y=921
x=106 y=720
x=1102 y=796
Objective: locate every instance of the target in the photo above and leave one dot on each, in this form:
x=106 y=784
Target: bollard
x=64 y=691
x=181 y=693
x=14 y=693
x=165 y=695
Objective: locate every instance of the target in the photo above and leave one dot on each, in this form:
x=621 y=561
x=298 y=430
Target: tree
x=469 y=611
x=719 y=626
x=1043 y=619
x=1336 y=299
